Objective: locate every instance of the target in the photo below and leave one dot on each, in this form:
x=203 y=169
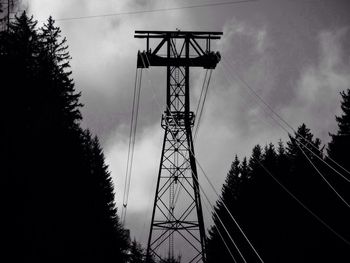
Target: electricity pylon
x=177 y=218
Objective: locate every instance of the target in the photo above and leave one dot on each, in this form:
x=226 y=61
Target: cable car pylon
x=177 y=225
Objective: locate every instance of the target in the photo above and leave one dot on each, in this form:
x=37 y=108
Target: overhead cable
x=132 y=139
x=157 y=10
x=288 y=125
x=201 y=105
x=295 y=198
x=220 y=235
x=322 y=176
x=302 y=204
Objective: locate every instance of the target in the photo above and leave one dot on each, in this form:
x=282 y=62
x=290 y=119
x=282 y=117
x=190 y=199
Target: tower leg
x=177 y=224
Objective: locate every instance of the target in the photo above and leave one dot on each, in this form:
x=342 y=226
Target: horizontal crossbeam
x=207 y=61
x=177 y=34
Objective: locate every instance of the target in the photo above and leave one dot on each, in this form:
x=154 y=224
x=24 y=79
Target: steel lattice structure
x=177 y=218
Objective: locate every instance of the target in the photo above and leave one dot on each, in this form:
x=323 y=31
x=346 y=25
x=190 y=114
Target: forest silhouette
x=278 y=226
x=58 y=195
x=57 y=191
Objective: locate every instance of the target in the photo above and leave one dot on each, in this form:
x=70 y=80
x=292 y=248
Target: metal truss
x=177 y=220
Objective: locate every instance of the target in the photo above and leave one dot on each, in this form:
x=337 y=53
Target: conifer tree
x=55 y=60
x=279 y=227
x=136 y=254
x=233 y=179
x=59 y=194
x=302 y=176
x=338 y=148
x=216 y=248
x=18 y=49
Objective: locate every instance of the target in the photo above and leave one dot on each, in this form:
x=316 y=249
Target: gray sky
x=294 y=53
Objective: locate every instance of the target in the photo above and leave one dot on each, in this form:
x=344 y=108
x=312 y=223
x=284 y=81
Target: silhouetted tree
x=136 y=252
x=230 y=189
x=280 y=229
x=338 y=148
x=338 y=151
x=60 y=92
x=216 y=250
x=58 y=194
x=17 y=57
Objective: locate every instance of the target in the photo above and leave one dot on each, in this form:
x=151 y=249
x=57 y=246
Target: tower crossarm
x=200 y=53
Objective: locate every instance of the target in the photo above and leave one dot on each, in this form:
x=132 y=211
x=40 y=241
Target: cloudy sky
x=294 y=53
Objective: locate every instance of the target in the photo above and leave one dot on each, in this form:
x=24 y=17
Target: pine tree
x=237 y=196
x=270 y=157
x=232 y=182
x=256 y=158
x=338 y=151
x=59 y=200
x=303 y=138
x=272 y=220
x=55 y=60
x=216 y=247
x=308 y=185
x=282 y=162
x=339 y=146
x=18 y=67
x=136 y=252
x=279 y=227
x=110 y=238
x=302 y=176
